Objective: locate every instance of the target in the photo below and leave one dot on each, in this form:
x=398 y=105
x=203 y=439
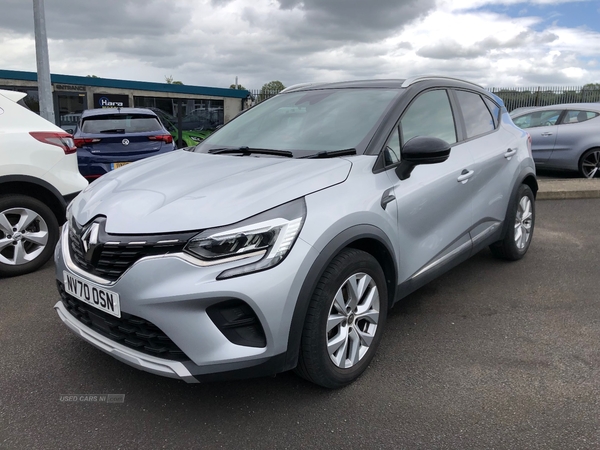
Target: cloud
x=451 y=49
x=210 y=42
x=70 y=19
x=353 y=20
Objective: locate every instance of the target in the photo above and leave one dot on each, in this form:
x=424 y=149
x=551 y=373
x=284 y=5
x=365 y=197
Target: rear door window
x=120 y=123
x=477 y=116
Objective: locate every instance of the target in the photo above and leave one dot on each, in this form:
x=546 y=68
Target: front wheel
x=28 y=234
x=520 y=221
x=345 y=320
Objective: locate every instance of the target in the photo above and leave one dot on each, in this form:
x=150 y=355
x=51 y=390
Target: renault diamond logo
x=89 y=240
x=125 y=141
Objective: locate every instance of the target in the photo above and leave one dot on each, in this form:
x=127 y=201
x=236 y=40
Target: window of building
x=196 y=113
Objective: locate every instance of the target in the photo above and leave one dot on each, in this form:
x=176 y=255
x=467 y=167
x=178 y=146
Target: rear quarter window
x=120 y=123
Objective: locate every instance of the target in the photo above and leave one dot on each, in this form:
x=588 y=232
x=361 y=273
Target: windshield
x=307 y=122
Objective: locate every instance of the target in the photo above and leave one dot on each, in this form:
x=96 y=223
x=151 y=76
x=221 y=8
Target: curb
x=579 y=188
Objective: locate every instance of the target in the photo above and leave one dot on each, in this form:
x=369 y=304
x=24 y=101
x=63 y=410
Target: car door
x=572 y=139
x=493 y=148
x=433 y=204
x=543 y=129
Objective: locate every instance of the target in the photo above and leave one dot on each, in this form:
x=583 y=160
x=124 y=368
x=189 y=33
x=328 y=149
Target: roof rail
x=410 y=81
x=299 y=85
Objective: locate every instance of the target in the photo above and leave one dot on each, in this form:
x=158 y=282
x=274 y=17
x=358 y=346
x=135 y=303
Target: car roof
x=400 y=84
x=106 y=111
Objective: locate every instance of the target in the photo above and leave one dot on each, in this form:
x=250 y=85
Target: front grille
x=129 y=330
x=114 y=254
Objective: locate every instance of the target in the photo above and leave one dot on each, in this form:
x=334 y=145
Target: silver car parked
x=564 y=136
x=281 y=241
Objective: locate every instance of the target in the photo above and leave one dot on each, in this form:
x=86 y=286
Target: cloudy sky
x=210 y=42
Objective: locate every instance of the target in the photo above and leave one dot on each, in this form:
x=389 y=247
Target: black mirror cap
x=425 y=150
x=421 y=150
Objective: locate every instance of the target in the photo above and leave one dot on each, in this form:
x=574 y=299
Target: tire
x=28 y=234
x=351 y=330
x=589 y=164
x=520 y=220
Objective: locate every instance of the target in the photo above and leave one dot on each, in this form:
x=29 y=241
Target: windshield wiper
x=332 y=153
x=115 y=130
x=250 y=151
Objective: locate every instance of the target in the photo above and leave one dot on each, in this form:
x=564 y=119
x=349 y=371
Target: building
x=73 y=94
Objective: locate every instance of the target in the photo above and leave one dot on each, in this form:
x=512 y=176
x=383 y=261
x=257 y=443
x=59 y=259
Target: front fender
x=342 y=240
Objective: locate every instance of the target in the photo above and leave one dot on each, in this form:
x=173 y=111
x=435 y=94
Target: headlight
x=269 y=235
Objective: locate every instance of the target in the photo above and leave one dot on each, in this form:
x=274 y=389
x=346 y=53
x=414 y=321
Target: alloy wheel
x=523 y=222
x=23 y=236
x=352 y=320
x=590 y=166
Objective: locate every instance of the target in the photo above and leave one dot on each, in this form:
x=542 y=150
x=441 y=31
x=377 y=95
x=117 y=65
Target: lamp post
x=43 y=62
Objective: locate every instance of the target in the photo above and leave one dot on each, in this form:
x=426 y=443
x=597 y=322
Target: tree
x=270 y=89
x=91 y=76
x=169 y=80
x=238 y=87
x=591 y=87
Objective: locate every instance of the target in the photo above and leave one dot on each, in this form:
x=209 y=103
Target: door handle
x=546 y=134
x=387 y=197
x=465 y=175
x=510 y=153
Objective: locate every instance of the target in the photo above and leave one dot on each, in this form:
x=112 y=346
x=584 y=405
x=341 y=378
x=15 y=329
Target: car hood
x=184 y=191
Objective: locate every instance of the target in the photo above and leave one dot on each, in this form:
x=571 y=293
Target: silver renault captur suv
x=282 y=240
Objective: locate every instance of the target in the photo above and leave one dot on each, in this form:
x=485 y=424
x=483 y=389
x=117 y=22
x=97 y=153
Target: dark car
x=107 y=139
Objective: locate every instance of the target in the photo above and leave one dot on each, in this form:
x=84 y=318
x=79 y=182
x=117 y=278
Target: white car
x=38 y=177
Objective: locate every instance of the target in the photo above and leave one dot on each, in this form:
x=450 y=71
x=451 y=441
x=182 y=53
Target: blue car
x=107 y=139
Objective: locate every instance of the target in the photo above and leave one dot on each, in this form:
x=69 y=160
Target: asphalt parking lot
x=491 y=355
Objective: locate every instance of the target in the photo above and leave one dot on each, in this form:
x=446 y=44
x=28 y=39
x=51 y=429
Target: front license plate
x=93 y=295
x=116 y=165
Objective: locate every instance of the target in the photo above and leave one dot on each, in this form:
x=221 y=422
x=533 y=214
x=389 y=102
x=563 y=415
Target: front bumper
x=173 y=293
x=158 y=366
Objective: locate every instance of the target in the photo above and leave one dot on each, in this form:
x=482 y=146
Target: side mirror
x=422 y=150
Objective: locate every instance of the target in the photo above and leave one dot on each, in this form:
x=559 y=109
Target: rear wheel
x=345 y=320
x=520 y=221
x=589 y=165
x=28 y=234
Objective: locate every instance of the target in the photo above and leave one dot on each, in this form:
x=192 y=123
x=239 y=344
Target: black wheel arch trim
x=525 y=177
x=61 y=200
x=337 y=244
